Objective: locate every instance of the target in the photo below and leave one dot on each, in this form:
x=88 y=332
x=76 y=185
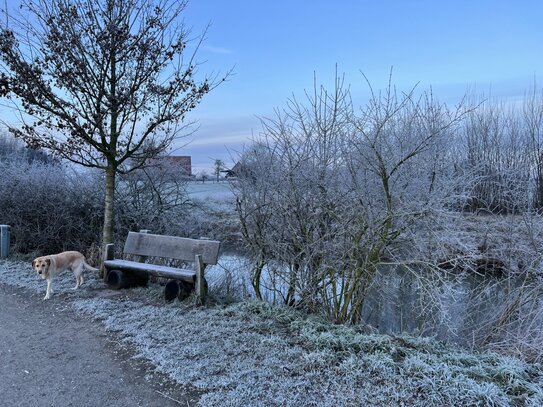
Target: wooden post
x=199 y=266
x=109 y=254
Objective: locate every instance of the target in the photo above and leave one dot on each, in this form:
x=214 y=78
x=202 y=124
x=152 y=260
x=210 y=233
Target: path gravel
x=51 y=357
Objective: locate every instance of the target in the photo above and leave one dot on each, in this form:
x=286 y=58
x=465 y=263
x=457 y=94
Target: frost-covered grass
x=20 y=274
x=210 y=190
x=255 y=354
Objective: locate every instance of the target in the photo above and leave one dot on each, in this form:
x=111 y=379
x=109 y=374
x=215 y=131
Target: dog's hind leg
x=78 y=276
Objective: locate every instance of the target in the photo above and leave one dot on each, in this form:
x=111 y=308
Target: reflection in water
x=455 y=307
x=462 y=308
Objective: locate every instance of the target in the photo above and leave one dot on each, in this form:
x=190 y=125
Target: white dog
x=49 y=266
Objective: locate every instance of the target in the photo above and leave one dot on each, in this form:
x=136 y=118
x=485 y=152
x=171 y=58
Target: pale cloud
x=217 y=50
x=221 y=140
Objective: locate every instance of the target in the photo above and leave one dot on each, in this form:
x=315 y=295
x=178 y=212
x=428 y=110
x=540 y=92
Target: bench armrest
x=109 y=251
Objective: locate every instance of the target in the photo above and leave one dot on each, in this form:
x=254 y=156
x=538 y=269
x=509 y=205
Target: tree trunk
x=109 y=206
x=255 y=278
x=111 y=169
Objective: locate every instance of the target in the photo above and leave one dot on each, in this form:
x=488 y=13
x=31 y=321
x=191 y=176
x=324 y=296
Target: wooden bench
x=125 y=273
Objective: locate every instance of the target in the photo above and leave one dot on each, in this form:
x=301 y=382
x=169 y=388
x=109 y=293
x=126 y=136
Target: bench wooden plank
x=153 y=269
x=172 y=247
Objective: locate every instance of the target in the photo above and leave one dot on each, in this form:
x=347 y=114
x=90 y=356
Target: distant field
x=209 y=189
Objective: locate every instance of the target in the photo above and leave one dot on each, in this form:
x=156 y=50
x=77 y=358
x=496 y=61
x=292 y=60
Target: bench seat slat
x=155 y=270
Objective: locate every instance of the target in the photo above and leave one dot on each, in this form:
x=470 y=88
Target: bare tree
x=218 y=166
x=100 y=82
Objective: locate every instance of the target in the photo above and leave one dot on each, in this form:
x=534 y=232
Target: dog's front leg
x=49 y=290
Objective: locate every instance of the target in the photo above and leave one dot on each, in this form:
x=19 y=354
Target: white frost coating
x=258 y=355
x=21 y=274
x=252 y=354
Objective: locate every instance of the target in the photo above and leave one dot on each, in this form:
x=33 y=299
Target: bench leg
x=171 y=290
x=117 y=279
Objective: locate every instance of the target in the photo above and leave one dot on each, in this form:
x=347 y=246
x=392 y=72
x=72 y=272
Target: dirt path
x=51 y=357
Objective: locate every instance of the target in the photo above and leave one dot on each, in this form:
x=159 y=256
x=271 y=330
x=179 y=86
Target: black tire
x=117 y=279
x=184 y=290
x=114 y=279
x=171 y=290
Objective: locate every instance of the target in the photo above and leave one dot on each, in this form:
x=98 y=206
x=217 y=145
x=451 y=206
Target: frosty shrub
x=493 y=142
x=328 y=193
x=336 y=202
x=50 y=208
x=11 y=147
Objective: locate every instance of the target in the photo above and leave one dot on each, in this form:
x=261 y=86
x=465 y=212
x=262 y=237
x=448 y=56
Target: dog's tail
x=89 y=267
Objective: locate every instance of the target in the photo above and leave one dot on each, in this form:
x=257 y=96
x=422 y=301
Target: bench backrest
x=171 y=247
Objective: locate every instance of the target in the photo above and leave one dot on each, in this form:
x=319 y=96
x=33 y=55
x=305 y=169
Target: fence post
x=4 y=240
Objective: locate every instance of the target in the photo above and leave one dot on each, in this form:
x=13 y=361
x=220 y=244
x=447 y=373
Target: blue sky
x=276 y=46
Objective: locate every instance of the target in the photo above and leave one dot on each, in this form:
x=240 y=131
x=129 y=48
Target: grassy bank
x=251 y=353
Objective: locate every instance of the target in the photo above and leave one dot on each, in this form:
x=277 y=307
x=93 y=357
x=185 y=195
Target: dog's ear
x=33 y=261
x=48 y=261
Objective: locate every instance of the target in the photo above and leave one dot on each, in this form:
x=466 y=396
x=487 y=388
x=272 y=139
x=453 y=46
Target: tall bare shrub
x=327 y=194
